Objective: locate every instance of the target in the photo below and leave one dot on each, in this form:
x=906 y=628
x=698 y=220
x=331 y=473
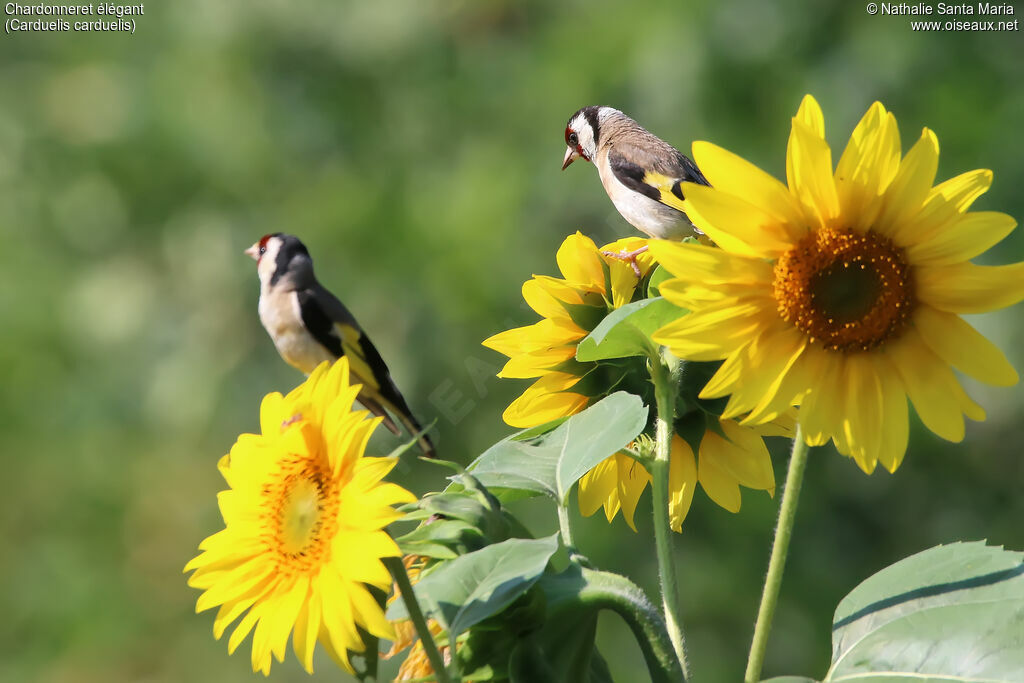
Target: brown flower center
x=300 y=513
x=850 y=291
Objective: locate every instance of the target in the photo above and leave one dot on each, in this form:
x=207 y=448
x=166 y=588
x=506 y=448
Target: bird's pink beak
x=253 y=252
x=571 y=155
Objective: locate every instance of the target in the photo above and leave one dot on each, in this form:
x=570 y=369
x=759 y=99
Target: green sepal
x=694 y=377
x=586 y=316
x=691 y=428
x=528 y=663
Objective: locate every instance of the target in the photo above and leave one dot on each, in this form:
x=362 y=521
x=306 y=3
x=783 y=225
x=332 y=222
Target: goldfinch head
x=582 y=133
x=278 y=255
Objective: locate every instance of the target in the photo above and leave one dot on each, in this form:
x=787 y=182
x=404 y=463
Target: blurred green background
x=414 y=145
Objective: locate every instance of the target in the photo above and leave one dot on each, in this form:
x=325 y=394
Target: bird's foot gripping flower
x=841 y=293
x=304 y=518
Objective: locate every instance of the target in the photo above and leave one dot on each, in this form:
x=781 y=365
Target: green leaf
x=472 y=587
x=654 y=282
x=441 y=539
x=790 y=679
x=551 y=463
x=627 y=330
x=951 y=613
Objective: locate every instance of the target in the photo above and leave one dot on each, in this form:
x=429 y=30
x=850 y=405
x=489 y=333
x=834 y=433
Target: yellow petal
x=862 y=408
x=537 y=294
x=682 y=479
x=867 y=166
x=966 y=237
x=962 y=190
x=632 y=480
x=541 y=335
x=810 y=115
x=545 y=400
x=599 y=488
x=738 y=177
x=766 y=361
x=307 y=627
x=895 y=423
x=710 y=265
x=906 y=195
x=537 y=363
x=716 y=482
x=737 y=225
x=963 y=347
x=368 y=613
x=809 y=169
x=930 y=385
x=820 y=414
x=969 y=288
x=580 y=262
x=743 y=455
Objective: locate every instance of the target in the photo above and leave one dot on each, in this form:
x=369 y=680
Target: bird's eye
x=574 y=139
x=263 y=250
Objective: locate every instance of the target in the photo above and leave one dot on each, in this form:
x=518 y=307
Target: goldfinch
x=309 y=325
x=642 y=174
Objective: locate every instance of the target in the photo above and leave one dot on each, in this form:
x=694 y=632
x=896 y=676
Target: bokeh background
x=415 y=146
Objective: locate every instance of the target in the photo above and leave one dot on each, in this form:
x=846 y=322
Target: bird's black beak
x=571 y=155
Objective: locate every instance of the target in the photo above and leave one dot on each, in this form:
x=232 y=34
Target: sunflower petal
x=969 y=288
x=809 y=169
x=966 y=237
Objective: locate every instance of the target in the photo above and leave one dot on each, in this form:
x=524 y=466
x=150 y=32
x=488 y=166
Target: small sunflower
x=304 y=519
x=727 y=458
x=842 y=292
x=593 y=285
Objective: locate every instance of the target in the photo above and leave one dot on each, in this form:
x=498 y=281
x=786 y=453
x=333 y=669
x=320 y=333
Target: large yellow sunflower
x=593 y=285
x=304 y=519
x=727 y=458
x=841 y=293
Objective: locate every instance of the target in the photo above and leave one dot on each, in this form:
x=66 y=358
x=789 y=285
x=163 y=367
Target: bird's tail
x=383 y=407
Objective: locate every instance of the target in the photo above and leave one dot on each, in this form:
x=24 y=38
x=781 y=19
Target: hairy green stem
x=605 y=590
x=777 y=563
x=412 y=606
x=563 y=526
x=666 y=384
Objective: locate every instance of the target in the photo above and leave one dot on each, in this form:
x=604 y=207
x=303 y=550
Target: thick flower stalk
x=304 y=538
x=841 y=292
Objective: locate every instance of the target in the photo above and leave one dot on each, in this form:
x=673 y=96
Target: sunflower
x=842 y=292
x=304 y=519
x=593 y=284
x=728 y=457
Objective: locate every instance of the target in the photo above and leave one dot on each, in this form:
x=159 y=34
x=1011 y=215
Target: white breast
x=282 y=318
x=642 y=212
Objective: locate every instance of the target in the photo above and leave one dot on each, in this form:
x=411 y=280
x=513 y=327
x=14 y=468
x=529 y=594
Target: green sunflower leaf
x=951 y=613
x=627 y=331
x=551 y=463
x=465 y=591
x=655 y=280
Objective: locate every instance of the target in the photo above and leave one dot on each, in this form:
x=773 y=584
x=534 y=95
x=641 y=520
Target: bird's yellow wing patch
x=669 y=189
x=351 y=344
